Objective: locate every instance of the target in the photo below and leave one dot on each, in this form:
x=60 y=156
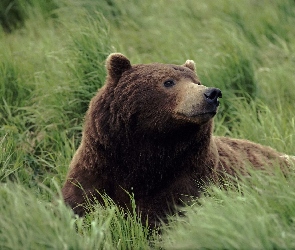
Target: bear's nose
x=212 y=94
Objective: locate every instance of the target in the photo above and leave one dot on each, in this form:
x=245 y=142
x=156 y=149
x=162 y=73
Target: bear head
x=158 y=97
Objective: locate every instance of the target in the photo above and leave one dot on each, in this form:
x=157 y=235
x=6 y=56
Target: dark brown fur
x=153 y=141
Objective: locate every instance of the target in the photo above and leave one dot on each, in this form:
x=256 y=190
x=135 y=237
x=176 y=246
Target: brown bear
x=148 y=132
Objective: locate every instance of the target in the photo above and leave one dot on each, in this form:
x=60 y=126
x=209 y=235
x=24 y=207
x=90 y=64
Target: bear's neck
x=163 y=154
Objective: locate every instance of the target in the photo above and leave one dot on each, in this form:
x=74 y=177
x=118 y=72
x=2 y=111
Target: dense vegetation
x=52 y=62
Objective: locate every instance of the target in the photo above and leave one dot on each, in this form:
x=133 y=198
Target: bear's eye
x=169 y=83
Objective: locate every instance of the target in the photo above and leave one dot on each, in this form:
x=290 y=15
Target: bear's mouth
x=197 y=117
x=210 y=113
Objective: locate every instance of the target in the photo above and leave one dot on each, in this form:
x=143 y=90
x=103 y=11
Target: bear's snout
x=212 y=95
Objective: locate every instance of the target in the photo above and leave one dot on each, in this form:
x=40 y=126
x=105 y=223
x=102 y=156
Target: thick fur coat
x=148 y=131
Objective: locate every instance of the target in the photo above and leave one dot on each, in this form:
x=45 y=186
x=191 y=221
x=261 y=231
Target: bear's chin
x=204 y=115
x=198 y=118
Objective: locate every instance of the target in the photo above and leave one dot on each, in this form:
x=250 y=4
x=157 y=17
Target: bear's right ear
x=116 y=65
x=190 y=64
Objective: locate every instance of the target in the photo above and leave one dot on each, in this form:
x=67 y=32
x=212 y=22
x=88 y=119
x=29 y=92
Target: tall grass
x=52 y=57
x=260 y=215
x=31 y=223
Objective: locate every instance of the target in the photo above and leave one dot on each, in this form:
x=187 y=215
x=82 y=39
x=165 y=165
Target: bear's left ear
x=190 y=64
x=116 y=65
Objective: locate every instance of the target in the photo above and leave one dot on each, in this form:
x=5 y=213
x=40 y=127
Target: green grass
x=52 y=57
x=260 y=215
x=32 y=223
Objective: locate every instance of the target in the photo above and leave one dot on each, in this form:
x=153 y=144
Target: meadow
x=52 y=61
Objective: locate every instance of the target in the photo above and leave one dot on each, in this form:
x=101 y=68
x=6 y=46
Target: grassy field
x=52 y=57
